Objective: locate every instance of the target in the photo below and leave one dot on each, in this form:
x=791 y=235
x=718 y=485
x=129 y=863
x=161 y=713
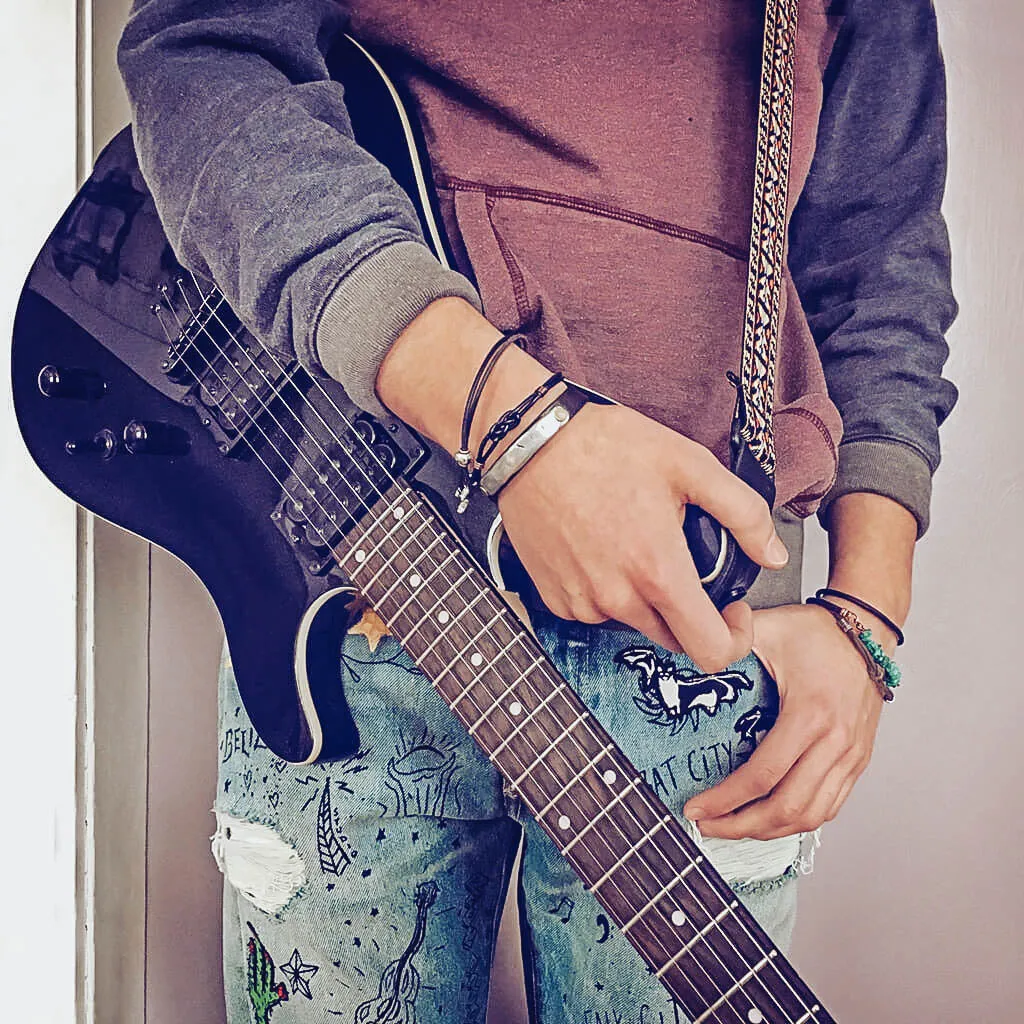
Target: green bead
x=891 y=669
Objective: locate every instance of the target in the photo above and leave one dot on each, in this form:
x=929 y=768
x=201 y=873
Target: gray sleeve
x=870 y=253
x=247 y=147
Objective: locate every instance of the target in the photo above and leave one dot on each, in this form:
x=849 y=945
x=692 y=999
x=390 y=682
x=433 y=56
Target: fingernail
x=694 y=813
x=777 y=553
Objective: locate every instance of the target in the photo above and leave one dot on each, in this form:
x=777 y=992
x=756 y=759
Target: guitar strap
x=768 y=234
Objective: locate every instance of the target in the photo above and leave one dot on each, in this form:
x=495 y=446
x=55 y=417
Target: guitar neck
x=624 y=843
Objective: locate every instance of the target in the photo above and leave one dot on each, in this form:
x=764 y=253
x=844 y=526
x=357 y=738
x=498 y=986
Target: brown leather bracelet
x=853 y=628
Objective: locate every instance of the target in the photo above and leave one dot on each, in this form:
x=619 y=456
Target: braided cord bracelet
x=884 y=672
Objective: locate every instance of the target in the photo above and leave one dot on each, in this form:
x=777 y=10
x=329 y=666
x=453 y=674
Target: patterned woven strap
x=768 y=230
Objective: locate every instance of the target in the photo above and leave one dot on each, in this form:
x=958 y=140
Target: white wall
x=914 y=911
x=37 y=549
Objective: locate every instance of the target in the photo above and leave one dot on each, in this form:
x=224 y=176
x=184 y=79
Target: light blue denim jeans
x=370 y=889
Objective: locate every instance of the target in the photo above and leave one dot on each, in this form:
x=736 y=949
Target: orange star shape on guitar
x=371 y=626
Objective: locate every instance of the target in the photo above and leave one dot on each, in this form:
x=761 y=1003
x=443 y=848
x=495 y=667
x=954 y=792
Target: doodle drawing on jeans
x=399 y=987
x=264 y=993
x=670 y=696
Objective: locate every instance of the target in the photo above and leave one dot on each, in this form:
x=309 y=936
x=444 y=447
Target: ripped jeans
x=370 y=889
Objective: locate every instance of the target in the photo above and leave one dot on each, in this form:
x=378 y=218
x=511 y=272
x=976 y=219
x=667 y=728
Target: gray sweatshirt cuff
x=371 y=306
x=890 y=468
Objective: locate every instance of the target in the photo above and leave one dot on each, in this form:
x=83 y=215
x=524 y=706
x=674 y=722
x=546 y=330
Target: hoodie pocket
x=646 y=312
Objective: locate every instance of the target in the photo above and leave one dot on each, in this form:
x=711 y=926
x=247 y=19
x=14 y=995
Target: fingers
x=738 y=507
x=767 y=767
x=669 y=587
x=801 y=803
x=844 y=792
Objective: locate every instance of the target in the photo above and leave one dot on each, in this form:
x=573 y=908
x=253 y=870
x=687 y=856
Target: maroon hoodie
x=600 y=179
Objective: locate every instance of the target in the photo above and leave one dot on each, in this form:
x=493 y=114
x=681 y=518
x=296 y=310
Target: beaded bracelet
x=884 y=672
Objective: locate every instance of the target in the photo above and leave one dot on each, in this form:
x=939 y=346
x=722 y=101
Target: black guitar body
x=113 y=415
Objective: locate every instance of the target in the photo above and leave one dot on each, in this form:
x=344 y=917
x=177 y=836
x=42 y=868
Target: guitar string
x=635 y=848
x=461 y=653
x=277 y=451
x=266 y=407
x=267 y=438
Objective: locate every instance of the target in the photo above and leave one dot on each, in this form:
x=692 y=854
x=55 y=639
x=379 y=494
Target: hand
x=596 y=517
x=805 y=767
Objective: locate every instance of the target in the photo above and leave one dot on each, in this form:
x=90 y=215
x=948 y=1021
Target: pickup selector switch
x=70 y=382
x=143 y=437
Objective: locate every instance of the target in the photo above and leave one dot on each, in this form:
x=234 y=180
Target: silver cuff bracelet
x=534 y=437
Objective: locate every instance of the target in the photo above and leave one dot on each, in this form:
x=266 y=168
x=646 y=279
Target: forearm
x=871 y=552
x=248 y=150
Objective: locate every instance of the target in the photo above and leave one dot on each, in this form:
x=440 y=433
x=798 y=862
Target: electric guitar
x=142 y=396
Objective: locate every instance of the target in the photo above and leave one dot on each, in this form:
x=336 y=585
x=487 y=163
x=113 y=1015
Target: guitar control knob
x=103 y=444
x=69 y=382
x=144 y=437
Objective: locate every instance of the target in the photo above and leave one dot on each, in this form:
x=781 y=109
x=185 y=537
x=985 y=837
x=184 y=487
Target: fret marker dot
x=609 y=777
x=755 y=1016
x=476 y=660
x=360 y=556
x=563 y=823
x=443 y=617
x=678 y=918
x=515 y=708
x=415 y=580
x=399 y=512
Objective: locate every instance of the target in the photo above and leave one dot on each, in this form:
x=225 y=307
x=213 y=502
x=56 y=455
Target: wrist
x=871 y=550
x=426 y=375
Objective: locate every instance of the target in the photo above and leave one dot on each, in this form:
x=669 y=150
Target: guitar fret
x=538 y=661
x=444 y=632
x=387 y=536
x=603 y=812
x=576 y=778
x=642 y=912
x=401 y=549
x=809 y=1015
x=630 y=852
x=452 y=587
x=515 y=732
x=356 y=549
x=712 y=924
x=551 y=746
x=462 y=653
x=516 y=638
x=736 y=988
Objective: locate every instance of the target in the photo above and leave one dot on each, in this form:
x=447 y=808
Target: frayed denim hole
x=765 y=885
x=258 y=863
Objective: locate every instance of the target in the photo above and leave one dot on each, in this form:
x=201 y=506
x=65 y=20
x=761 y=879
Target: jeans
x=370 y=889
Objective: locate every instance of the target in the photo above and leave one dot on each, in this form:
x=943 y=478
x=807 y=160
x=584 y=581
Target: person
x=594 y=166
